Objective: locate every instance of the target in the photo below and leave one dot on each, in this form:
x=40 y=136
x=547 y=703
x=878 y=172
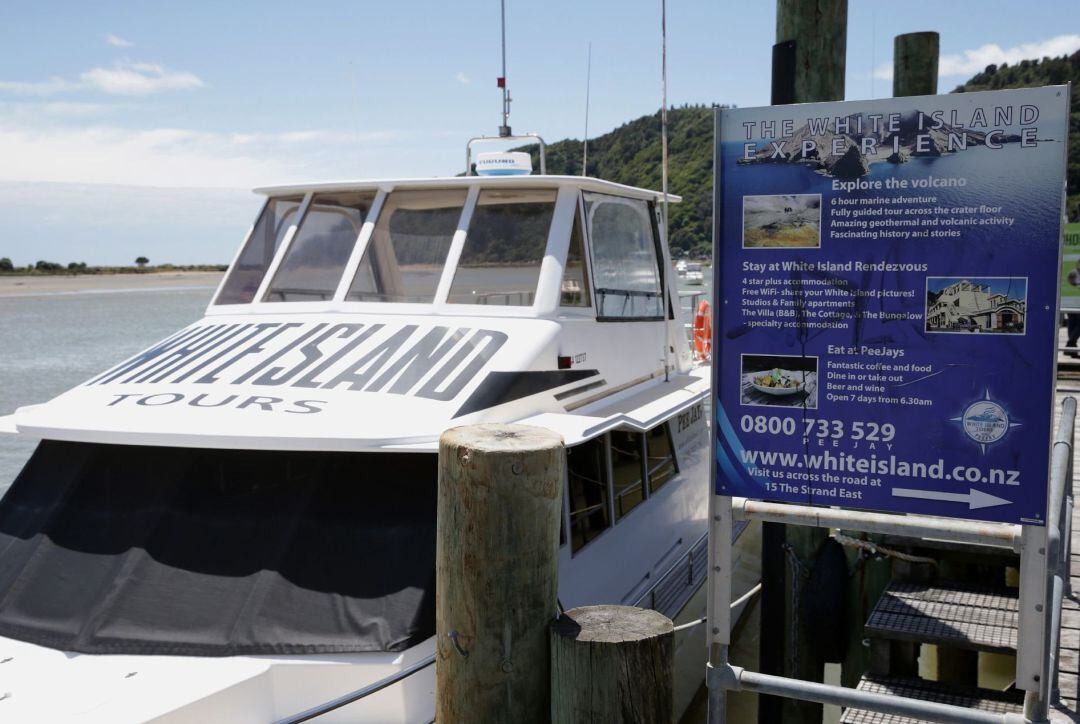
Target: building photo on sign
x=973 y=304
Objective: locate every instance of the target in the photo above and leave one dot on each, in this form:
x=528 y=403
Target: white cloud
x=970 y=62
x=123 y=78
x=132 y=79
x=462 y=78
x=300 y=137
x=155 y=157
x=35 y=150
x=55 y=84
x=37 y=110
x=117 y=42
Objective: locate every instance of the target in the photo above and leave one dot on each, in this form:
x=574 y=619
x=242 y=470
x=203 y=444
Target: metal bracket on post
x=1030 y=647
x=530 y=137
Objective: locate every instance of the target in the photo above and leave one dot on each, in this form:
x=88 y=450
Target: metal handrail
x=670 y=569
x=359 y=694
x=913 y=526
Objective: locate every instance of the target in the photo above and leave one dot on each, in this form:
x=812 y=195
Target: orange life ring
x=703 y=331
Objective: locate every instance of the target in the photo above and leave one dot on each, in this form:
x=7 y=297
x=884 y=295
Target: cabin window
x=659 y=456
x=505 y=244
x=626 y=270
x=250 y=267
x=316 y=257
x=575 y=282
x=627 y=471
x=408 y=248
x=586 y=472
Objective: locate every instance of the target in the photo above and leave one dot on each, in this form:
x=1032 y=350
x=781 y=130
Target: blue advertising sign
x=887 y=281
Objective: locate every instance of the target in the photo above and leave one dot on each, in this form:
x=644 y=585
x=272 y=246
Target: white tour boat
x=238 y=524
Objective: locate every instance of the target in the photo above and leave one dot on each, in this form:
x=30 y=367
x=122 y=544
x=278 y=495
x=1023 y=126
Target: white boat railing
x=354 y=696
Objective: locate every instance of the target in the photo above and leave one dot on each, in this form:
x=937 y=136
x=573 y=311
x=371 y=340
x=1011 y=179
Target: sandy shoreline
x=28 y=286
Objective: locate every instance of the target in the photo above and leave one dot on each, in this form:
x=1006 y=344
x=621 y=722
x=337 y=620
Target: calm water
x=53 y=342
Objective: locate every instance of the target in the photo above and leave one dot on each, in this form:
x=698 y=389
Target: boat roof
x=585 y=183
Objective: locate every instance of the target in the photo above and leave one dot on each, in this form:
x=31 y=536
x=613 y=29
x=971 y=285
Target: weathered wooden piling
x=819 y=31
x=809 y=61
x=612 y=664
x=496 y=566
x=915 y=64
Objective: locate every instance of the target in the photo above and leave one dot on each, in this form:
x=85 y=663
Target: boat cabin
x=441 y=301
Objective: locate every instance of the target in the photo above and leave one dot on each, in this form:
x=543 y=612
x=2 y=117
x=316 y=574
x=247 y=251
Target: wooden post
x=915 y=64
x=808 y=66
x=819 y=30
x=496 y=567
x=612 y=664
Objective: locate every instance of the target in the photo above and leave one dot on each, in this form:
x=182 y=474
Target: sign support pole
x=718 y=614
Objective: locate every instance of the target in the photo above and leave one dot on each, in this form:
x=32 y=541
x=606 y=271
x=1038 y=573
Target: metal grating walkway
x=967 y=697
x=956 y=615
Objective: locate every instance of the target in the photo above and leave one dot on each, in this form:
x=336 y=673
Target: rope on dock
x=875 y=549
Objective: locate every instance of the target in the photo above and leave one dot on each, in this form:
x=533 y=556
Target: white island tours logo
x=985 y=421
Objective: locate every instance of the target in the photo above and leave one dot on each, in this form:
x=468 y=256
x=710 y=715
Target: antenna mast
x=504 y=129
x=588 y=83
x=664 y=176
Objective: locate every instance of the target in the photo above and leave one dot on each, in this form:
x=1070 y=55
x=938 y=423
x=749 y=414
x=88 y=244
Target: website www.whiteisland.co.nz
x=769 y=463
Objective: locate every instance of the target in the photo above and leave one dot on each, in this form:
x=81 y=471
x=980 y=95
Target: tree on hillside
x=6 y=265
x=142 y=261
x=630 y=155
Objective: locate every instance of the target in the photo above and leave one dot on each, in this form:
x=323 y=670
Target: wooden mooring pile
x=504 y=650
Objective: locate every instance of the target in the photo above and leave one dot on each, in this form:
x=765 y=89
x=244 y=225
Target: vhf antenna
x=585 y=145
x=504 y=129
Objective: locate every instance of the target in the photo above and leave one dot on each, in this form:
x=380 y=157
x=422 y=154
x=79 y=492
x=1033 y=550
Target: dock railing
x=1044 y=573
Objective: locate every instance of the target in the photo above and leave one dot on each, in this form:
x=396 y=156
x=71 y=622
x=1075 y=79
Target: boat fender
x=703 y=331
x=824 y=603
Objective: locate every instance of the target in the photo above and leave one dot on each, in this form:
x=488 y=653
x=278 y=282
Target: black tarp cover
x=154 y=550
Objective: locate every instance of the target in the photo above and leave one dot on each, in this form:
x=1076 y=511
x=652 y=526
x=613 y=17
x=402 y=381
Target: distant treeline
x=46 y=268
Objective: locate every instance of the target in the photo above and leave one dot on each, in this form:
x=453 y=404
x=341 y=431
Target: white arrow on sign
x=974 y=498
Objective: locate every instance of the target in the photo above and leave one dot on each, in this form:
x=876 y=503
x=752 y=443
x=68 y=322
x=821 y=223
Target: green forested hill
x=1048 y=71
x=630 y=154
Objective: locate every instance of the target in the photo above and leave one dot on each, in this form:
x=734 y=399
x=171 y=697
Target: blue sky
x=105 y=106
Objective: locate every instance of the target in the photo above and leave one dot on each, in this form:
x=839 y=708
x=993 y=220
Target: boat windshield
x=250 y=267
x=316 y=258
x=500 y=263
x=413 y=235
x=409 y=245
